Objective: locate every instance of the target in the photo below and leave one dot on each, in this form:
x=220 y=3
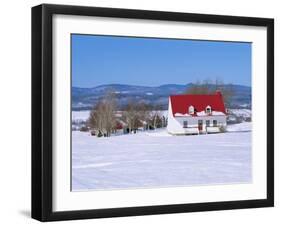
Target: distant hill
x=85 y=98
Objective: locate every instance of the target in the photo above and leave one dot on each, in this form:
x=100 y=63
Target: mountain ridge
x=86 y=98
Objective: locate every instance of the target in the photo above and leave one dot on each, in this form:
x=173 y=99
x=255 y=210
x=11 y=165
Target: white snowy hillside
x=157 y=159
x=240 y=127
x=84 y=115
x=241 y=112
x=80 y=115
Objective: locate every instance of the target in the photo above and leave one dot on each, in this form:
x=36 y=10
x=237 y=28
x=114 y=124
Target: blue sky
x=99 y=60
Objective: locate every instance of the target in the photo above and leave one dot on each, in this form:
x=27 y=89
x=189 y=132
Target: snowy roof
x=181 y=103
x=180 y=114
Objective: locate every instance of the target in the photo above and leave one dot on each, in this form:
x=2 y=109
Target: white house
x=196 y=114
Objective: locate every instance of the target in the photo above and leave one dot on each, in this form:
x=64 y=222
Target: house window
x=208 y=110
x=207 y=123
x=215 y=123
x=191 y=110
x=184 y=124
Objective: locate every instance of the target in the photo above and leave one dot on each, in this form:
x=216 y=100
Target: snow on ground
x=241 y=112
x=84 y=115
x=240 y=127
x=157 y=159
x=80 y=115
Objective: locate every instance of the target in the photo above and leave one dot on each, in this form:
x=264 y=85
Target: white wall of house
x=176 y=123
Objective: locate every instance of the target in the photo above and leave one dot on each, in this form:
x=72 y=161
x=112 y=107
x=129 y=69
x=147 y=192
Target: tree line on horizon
x=104 y=121
x=209 y=86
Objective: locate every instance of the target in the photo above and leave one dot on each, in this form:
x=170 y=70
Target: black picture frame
x=42 y=107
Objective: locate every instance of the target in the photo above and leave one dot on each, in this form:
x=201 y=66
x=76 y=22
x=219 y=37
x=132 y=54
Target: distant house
x=196 y=114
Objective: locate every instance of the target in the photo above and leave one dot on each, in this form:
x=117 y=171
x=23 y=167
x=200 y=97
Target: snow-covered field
x=84 y=115
x=80 y=115
x=241 y=112
x=240 y=127
x=157 y=159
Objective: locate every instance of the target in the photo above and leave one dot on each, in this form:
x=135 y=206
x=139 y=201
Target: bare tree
x=96 y=120
x=199 y=88
x=155 y=117
x=109 y=112
x=102 y=116
x=130 y=115
x=144 y=113
x=209 y=87
x=226 y=90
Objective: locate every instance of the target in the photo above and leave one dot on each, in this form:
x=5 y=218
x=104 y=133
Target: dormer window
x=191 y=110
x=208 y=109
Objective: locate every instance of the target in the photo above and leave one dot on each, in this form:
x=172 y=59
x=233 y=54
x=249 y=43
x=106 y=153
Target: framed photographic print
x=145 y=112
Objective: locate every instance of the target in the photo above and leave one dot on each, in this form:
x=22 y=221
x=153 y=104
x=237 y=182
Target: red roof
x=181 y=103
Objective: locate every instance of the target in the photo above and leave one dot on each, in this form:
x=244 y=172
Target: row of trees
x=136 y=115
x=209 y=86
x=104 y=118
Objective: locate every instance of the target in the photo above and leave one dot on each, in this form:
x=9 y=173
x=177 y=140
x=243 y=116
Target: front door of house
x=200 y=125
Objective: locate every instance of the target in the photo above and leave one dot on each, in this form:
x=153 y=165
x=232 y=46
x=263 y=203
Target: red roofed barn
x=195 y=114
